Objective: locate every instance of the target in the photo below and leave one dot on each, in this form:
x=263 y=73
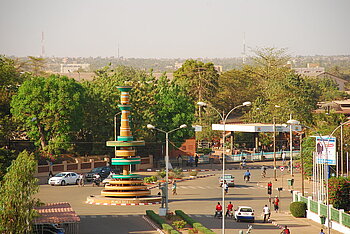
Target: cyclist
x=247 y=176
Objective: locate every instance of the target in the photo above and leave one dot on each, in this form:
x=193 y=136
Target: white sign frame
x=325 y=149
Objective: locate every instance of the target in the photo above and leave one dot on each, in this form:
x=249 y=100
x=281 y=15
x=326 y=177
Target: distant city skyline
x=173 y=29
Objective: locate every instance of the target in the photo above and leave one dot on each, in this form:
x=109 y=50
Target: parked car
x=47 y=229
x=230 y=180
x=245 y=213
x=102 y=171
x=64 y=178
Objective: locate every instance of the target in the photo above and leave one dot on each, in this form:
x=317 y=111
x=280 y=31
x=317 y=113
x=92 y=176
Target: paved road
x=195 y=197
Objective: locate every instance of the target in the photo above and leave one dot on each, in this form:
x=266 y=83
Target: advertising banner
x=326 y=150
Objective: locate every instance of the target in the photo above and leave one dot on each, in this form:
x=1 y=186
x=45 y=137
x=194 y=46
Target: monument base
x=102 y=200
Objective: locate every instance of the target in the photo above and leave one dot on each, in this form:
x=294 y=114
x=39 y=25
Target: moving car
x=230 y=180
x=102 y=171
x=245 y=213
x=64 y=178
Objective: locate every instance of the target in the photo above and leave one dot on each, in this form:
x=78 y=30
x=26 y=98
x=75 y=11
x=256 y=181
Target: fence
x=339 y=219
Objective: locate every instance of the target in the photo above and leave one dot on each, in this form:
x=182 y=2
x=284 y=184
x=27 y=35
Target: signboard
x=197 y=128
x=282 y=169
x=326 y=150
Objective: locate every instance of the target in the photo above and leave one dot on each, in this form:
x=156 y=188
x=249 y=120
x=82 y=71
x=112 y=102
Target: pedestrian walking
x=267 y=213
x=196 y=158
x=285 y=230
x=179 y=159
x=174 y=188
x=283 y=157
x=225 y=187
x=81 y=179
x=276 y=202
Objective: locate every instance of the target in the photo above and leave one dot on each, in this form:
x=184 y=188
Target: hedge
x=193 y=222
x=156 y=218
x=298 y=209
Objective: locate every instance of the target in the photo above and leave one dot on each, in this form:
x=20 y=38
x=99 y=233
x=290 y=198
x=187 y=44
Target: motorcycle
x=96 y=181
x=229 y=214
x=218 y=214
x=246 y=179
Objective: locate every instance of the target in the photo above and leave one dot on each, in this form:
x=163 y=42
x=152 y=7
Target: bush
x=298 y=209
x=156 y=218
x=179 y=224
x=161 y=173
x=177 y=173
x=150 y=179
x=193 y=223
x=193 y=173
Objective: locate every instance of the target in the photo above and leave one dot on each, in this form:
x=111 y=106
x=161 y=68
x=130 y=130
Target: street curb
x=152 y=224
x=200 y=176
x=186 y=170
x=123 y=204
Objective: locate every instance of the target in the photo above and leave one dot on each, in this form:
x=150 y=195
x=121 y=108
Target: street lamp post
x=150 y=126
x=291 y=122
x=223 y=119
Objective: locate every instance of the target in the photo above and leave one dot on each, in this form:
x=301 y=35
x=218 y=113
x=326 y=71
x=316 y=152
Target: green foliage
x=161 y=173
x=177 y=173
x=156 y=218
x=6 y=158
x=298 y=209
x=150 y=179
x=50 y=110
x=199 y=79
x=10 y=80
x=193 y=223
x=16 y=191
x=179 y=224
x=339 y=190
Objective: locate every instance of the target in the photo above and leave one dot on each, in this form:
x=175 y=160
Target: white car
x=64 y=178
x=245 y=213
x=230 y=180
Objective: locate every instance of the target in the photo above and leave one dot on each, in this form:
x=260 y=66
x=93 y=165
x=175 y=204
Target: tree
x=10 y=80
x=173 y=108
x=50 y=110
x=6 y=157
x=199 y=79
x=16 y=191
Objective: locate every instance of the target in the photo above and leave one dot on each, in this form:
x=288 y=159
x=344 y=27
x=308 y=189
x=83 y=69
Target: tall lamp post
x=291 y=122
x=150 y=126
x=223 y=119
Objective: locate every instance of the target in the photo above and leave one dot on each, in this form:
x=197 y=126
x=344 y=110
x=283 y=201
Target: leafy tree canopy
x=16 y=195
x=50 y=110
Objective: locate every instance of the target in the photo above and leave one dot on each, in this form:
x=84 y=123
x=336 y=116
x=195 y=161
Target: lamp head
x=201 y=104
x=150 y=126
x=183 y=126
x=293 y=122
x=277 y=106
x=247 y=104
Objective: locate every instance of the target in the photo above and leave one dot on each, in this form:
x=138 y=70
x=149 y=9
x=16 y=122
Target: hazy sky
x=173 y=29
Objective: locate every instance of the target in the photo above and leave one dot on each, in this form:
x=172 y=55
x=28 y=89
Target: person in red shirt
x=276 y=202
x=229 y=210
x=218 y=209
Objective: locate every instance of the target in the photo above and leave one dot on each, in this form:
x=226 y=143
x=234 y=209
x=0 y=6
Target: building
x=73 y=67
x=338 y=107
x=314 y=71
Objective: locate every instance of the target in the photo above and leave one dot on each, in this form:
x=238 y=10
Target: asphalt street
x=195 y=197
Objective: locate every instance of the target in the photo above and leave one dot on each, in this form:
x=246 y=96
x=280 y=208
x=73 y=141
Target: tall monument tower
x=126 y=184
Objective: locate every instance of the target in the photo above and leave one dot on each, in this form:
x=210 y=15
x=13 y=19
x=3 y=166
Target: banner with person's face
x=326 y=150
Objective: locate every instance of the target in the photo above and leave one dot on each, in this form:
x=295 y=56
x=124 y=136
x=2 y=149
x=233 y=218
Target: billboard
x=326 y=150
